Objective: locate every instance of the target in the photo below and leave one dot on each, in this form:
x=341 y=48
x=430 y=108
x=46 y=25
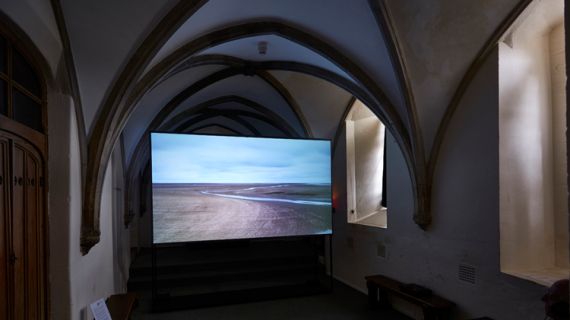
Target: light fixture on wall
x=262 y=47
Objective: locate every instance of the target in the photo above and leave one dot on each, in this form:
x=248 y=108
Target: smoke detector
x=262 y=47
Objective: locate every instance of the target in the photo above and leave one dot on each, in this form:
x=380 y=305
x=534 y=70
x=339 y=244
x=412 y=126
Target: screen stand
x=228 y=272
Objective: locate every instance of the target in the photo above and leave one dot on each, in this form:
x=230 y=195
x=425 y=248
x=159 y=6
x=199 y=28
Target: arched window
x=21 y=91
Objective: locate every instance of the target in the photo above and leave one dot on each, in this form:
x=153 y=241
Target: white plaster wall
x=465 y=212
x=74 y=280
x=91 y=276
x=559 y=125
x=58 y=205
x=103 y=35
x=77 y=280
x=439 y=40
x=323 y=112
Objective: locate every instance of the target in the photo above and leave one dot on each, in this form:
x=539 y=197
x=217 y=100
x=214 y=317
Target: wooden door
x=5 y=279
x=23 y=256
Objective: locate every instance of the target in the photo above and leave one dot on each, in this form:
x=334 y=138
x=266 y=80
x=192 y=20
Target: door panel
x=43 y=242
x=18 y=233
x=23 y=276
x=4 y=222
x=33 y=235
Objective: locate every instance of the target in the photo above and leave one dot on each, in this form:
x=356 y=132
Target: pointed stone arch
x=269 y=115
x=468 y=77
x=119 y=106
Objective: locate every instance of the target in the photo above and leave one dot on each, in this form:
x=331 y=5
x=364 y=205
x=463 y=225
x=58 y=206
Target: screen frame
x=270 y=238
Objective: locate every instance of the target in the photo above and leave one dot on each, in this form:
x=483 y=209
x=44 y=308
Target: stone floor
x=343 y=303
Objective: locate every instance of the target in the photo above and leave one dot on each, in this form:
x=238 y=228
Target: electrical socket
x=350 y=242
x=381 y=250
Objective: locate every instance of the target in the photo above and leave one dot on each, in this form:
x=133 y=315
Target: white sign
x=100 y=311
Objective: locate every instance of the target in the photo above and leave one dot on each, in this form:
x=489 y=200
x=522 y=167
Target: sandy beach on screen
x=185 y=213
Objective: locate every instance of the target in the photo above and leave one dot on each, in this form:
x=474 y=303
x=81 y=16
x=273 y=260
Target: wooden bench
x=121 y=305
x=380 y=287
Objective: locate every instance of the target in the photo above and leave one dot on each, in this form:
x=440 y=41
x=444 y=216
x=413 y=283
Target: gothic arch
x=116 y=111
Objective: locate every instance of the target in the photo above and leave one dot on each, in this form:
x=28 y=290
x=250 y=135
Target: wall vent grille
x=467 y=273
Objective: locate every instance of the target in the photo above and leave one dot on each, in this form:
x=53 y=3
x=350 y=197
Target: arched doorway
x=23 y=150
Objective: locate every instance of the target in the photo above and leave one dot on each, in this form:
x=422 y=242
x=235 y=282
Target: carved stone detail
x=89 y=238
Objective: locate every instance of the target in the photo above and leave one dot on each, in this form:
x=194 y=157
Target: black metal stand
x=154 y=274
x=331 y=262
x=291 y=286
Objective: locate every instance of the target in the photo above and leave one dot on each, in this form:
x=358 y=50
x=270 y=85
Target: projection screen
x=207 y=187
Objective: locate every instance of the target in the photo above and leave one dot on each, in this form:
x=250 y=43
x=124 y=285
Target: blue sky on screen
x=178 y=158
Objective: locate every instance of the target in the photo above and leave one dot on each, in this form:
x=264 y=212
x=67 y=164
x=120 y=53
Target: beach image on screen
x=208 y=187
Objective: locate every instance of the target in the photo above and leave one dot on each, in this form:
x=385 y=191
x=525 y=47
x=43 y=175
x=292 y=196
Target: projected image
x=216 y=187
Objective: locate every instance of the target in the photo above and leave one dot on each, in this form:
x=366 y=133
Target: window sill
x=378 y=219
x=544 y=276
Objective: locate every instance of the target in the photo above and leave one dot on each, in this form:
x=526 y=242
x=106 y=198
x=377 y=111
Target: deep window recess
x=532 y=146
x=365 y=160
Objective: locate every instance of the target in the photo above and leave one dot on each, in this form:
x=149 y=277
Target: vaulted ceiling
x=438 y=40
x=140 y=65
